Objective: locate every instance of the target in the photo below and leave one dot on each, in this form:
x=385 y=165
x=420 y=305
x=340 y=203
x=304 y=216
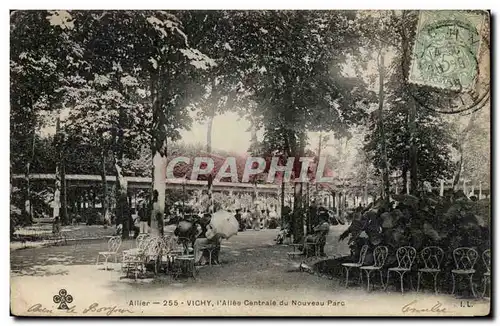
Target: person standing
x=158 y=217
x=238 y=217
x=263 y=219
x=143 y=218
x=56 y=225
x=245 y=217
x=320 y=230
x=256 y=218
x=136 y=222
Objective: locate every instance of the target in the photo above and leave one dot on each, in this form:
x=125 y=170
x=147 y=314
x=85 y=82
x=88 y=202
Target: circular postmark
x=449 y=69
x=447 y=55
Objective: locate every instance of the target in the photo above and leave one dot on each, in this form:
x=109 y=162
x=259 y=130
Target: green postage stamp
x=445 y=52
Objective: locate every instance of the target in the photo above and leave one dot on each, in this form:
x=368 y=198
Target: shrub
x=429 y=220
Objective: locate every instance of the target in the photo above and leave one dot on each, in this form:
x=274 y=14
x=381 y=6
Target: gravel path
x=254 y=273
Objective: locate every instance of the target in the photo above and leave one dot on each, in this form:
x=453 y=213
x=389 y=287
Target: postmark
x=280 y=210
x=446 y=48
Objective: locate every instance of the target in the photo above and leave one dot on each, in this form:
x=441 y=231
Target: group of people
x=195 y=230
x=256 y=218
x=320 y=221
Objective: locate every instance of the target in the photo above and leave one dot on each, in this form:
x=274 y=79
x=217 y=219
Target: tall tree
x=216 y=34
x=41 y=52
x=295 y=75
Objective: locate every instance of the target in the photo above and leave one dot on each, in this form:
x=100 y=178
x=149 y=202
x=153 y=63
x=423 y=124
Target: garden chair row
x=161 y=251
x=158 y=250
x=304 y=248
x=464 y=258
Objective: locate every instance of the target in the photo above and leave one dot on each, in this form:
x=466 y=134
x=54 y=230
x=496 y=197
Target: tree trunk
x=60 y=197
x=381 y=93
x=93 y=198
x=413 y=149
x=122 y=208
x=123 y=215
x=298 y=220
x=460 y=164
x=282 y=199
x=339 y=204
x=404 y=177
x=28 y=209
x=57 y=190
x=308 y=210
x=406 y=48
x=319 y=157
x=299 y=207
x=159 y=153
x=64 y=205
x=458 y=169
x=209 y=152
x=78 y=201
x=253 y=149
x=105 y=205
x=159 y=185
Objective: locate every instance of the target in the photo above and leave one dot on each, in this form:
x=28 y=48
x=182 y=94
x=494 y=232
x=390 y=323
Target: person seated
x=320 y=231
x=241 y=223
x=284 y=233
x=119 y=230
x=263 y=219
x=273 y=219
x=255 y=216
x=136 y=225
x=206 y=240
x=56 y=226
x=245 y=217
x=187 y=231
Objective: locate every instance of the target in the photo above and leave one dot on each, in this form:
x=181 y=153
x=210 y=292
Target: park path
x=254 y=269
x=248 y=249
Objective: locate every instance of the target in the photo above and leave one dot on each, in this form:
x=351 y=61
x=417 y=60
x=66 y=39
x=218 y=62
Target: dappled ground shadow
x=41 y=271
x=250 y=258
x=74 y=253
x=252 y=267
x=79 y=231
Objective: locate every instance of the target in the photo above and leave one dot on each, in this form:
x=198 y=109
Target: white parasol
x=184 y=226
x=224 y=224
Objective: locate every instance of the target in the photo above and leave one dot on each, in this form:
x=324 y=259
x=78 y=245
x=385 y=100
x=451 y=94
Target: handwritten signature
x=93 y=308
x=437 y=307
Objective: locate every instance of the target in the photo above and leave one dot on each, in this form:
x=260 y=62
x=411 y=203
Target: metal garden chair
x=405 y=256
x=305 y=246
x=465 y=259
x=141 y=238
x=315 y=244
x=380 y=254
x=114 y=244
x=296 y=250
x=185 y=243
x=361 y=261
x=487 y=274
x=211 y=248
x=133 y=259
x=183 y=262
x=167 y=255
x=432 y=258
x=153 y=252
